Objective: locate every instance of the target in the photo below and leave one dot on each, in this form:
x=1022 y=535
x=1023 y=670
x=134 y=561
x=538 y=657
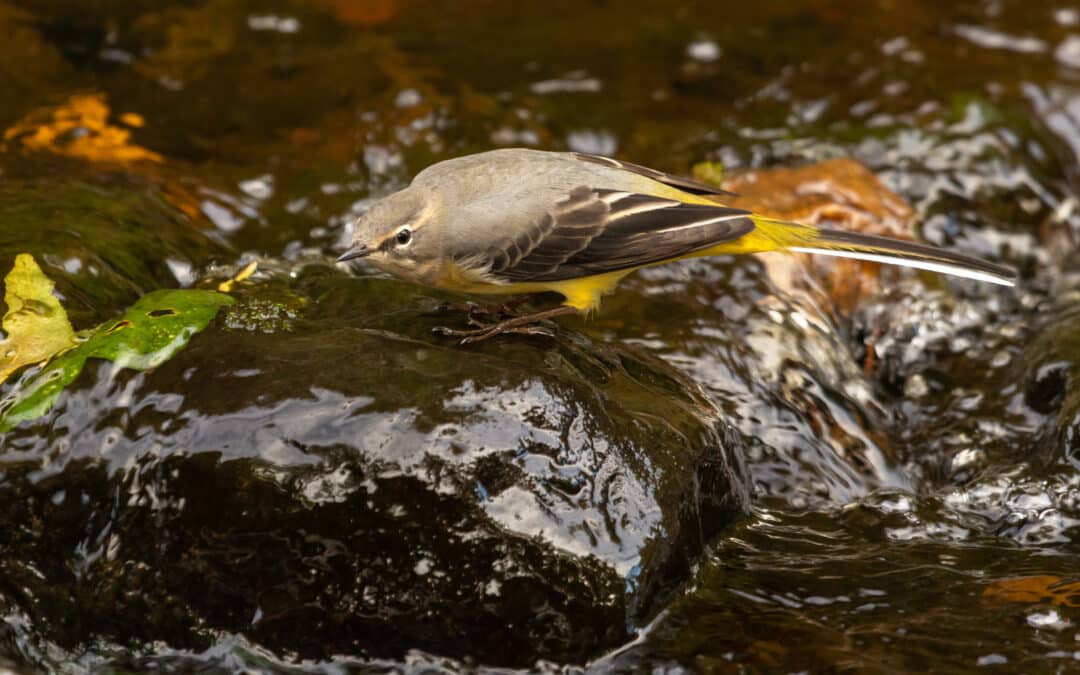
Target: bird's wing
x=685 y=184
x=592 y=231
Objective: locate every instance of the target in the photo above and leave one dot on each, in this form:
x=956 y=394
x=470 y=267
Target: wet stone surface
x=354 y=475
x=105 y=240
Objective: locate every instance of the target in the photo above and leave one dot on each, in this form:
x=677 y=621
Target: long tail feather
x=804 y=239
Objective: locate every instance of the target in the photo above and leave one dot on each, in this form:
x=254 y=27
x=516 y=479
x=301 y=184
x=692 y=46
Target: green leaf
x=35 y=323
x=149 y=334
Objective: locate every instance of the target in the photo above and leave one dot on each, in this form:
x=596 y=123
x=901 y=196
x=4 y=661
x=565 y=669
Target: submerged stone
x=346 y=483
x=1052 y=377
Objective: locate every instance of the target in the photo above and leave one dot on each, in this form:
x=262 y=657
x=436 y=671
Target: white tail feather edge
x=932 y=266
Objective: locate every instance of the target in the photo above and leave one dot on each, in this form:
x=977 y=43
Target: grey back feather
x=528 y=215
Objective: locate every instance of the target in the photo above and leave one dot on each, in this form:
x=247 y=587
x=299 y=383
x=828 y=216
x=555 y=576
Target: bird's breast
x=453 y=276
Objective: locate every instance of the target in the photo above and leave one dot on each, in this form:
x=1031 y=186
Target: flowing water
x=725 y=470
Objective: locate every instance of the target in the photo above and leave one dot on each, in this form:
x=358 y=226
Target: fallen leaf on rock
x=156 y=327
x=79 y=128
x=1041 y=588
x=35 y=324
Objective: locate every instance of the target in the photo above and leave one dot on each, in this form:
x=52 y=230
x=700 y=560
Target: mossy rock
x=344 y=482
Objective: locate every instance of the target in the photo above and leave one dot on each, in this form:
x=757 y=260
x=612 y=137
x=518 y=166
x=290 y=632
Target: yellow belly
x=583 y=294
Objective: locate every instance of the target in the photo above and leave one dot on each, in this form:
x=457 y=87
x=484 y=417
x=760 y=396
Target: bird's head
x=397 y=234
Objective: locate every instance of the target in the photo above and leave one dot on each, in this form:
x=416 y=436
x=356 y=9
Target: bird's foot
x=472 y=310
x=469 y=308
x=485 y=331
x=528 y=324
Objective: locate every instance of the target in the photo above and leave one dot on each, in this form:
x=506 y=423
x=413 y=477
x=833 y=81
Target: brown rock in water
x=840 y=192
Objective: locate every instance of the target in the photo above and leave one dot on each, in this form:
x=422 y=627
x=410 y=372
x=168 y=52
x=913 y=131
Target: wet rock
x=104 y=240
x=1052 y=378
x=345 y=483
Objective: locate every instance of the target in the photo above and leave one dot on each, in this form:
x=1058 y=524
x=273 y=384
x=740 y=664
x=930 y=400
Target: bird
x=521 y=221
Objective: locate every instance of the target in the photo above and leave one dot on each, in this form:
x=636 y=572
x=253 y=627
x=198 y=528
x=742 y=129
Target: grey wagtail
x=526 y=221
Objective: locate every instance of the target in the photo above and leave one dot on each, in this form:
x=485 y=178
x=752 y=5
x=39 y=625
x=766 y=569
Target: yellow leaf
x=35 y=323
x=1036 y=589
x=80 y=128
x=242 y=275
x=133 y=119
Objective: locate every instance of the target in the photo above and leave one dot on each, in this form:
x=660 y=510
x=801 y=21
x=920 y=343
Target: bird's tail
x=805 y=239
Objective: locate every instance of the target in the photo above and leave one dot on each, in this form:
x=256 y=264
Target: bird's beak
x=356 y=251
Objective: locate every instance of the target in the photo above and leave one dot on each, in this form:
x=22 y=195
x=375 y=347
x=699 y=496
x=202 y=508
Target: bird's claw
x=468 y=308
x=529 y=324
x=485 y=331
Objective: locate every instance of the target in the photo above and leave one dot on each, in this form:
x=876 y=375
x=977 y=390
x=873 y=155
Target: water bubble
x=1068 y=52
x=706 y=51
x=1049 y=619
x=991 y=660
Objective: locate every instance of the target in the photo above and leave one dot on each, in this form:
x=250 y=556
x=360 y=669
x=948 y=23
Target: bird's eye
x=403 y=236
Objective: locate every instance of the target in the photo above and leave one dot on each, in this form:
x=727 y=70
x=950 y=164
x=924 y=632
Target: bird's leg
x=467 y=307
x=511 y=305
x=473 y=309
x=522 y=325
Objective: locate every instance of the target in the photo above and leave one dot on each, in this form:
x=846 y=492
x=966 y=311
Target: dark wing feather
x=597 y=231
x=688 y=184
